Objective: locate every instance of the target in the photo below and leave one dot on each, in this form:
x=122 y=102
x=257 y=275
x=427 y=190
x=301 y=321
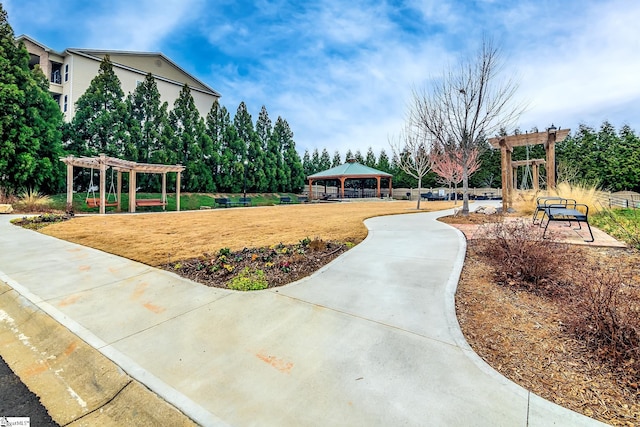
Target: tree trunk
x=419 y=191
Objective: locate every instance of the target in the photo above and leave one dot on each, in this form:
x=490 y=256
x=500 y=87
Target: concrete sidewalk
x=371 y=339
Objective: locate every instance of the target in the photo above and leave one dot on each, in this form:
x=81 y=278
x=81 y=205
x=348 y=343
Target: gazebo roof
x=351 y=169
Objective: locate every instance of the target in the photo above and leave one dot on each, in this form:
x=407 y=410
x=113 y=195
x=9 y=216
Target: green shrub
x=248 y=280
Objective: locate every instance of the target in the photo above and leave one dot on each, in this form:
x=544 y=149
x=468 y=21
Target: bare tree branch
x=468 y=103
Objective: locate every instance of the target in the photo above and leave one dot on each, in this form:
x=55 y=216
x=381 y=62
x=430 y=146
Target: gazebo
x=351 y=170
x=102 y=162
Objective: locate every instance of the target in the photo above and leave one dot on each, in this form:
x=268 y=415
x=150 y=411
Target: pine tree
x=358 y=157
x=30 y=121
x=232 y=152
x=348 y=156
x=271 y=149
x=370 y=160
x=100 y=123
x=293 y=170
x=148 y=124
x=383 y=163
x=315 y=161
x=325 y=161
x=191 y=144
x=307 y=166
x=256 y=179
x=336 y=161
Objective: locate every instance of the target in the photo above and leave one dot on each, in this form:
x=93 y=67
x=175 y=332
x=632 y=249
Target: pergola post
x=178 y=184
x=119 y=190
x=103 y=183
x=536 y=177
x=132 y=190
x=550 y=148
x=505 y=156
x=69 y=185
x=164 y=190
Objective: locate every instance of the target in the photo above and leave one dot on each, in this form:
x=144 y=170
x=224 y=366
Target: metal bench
x=244 y=201
x=222 y=201
x=285 y=200
x=542 y=203
x=567 y=212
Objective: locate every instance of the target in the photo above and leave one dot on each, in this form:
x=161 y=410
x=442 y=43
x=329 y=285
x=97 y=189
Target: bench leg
x=590 y=233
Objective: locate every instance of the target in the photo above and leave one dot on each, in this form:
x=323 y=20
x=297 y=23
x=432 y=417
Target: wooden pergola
x=103 y=162
x=350 y=170
x=509 y=167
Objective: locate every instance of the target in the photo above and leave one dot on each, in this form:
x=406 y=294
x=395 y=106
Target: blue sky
x=342 y=72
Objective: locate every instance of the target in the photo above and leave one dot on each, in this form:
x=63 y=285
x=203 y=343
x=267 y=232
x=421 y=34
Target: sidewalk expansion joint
x=162 y=322
x=366 y=319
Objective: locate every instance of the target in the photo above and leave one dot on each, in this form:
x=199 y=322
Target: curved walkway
x=371 y=339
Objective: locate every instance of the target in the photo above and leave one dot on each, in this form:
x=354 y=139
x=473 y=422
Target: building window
x=66 y=73
x=64 y=108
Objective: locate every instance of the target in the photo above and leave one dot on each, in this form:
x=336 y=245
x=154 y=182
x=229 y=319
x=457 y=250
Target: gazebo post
x=378 y=186
x=310 y=189
x=342 y=181
x=390 y=188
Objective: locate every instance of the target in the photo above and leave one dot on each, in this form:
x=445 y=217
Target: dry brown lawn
x=156 y=239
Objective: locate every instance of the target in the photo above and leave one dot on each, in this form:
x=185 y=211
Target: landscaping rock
x=5 y=209
x=487 y=210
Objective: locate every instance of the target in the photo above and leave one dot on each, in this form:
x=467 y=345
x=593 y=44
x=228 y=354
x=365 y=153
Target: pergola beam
x=102 y=162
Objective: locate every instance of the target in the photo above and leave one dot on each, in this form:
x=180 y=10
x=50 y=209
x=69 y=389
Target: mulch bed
x=524 y=336
x=281 y=264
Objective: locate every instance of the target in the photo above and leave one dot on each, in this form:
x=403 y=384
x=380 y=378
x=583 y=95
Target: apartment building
x=70 y=73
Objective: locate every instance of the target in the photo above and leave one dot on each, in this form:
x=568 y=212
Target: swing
x=526 y=174
x=94 y=202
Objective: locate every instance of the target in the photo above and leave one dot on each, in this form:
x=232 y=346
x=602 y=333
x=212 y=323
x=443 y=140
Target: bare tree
x=413 y=151
x=468 y=103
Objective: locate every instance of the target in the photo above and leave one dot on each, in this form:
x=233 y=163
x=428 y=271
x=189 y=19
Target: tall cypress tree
x=30 y=121
x=325 y=160
x=383 y=163
x=307 y=166
x=292 y=164
x=100 y=122
x=148 y=125
x=370 y=160
x=232 y=152
x=256 y=179
x=272 y=151
x=191 y=144
x=336 y=161
x=315 y=161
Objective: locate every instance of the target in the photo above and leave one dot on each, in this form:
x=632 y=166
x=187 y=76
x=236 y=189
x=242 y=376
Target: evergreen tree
x=149 y=129
x=370 y=160
x=358 y=157
x=336 y=161
x=348 y=156
x=30 y=121
x=255 y=175
x=307 y=166
x=293 y=170
x=191 y=144
x=315 y=161
x=100 y=123
x=325 y=161
x=383 y=163
x=625 y=162
x=232 y=153
x=272 y=151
